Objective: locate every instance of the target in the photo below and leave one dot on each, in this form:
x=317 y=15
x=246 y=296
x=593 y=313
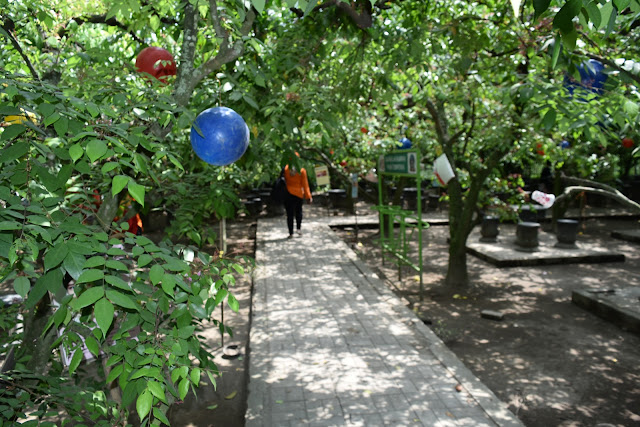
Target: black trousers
x=293 y=206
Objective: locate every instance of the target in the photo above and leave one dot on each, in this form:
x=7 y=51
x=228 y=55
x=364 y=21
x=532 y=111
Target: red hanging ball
x=157 y=62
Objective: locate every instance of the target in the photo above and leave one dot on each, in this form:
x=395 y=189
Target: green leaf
x=117 y=265
x=176 y=265
x=22 y=285
x=238 y=268
x=121 y=299
x=570 y=38
x=606 y=11
x=53 y=118
x=146 y=371
x=549 y=119
x=195 y=376
x=103 y=311
x=631 y=108
x=93 y=109
x=168 y=284
x=621 y=4
x=90 y=275
x=183 y=388
x=233 y=303
x=143 y=404
x=144 y=259
x=92 y=345
x=556 y=52
x=212 y=379
x=52 y=278
x=94 y=261
x=10 y=133
x=75 y=360
x=61 y=126
x=115 y=373
x=55 y=255
x=259 y=5
x=117 y=282
x=118 y=183
x=593 y=12
x=564 y=18
x=88 y=297
x=73 y=264
x=156 y=389
x=309 y=7
x=10 y=225
x=96 y=149
x=157 y=412
x=75 y=152
x=15 y=151
x=612 y=22
x=136 y=191
x=155 y=274
x=180 y=372
x=109 y=166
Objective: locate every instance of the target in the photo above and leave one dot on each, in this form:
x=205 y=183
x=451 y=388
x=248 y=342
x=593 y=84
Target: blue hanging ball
x=219 y=136
x=592 y=78
x=565 y=144
x=591 y=75
x=404 y=143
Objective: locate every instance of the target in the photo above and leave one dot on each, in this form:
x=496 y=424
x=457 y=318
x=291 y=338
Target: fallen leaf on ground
x=231 y=395
x=212 y=407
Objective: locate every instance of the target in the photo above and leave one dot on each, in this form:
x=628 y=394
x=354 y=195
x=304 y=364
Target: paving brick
x=331 y=345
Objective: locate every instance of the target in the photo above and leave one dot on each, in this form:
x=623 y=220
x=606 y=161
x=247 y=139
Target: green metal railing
x=399 y=226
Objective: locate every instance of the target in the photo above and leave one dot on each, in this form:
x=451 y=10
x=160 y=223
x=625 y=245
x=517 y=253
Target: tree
x=482 y=75
x=87 y=134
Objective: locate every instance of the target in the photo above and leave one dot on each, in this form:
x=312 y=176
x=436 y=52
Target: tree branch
x=188 y=76
x=183 y=85
x=363 y=20
x=101 y=19
x=7 y=26
x=439 y=121
x=588 y=183
x=617 y=196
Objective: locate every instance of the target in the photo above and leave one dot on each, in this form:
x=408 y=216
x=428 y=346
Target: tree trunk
x=462 y=207
x=457 y=276
x=36 y=347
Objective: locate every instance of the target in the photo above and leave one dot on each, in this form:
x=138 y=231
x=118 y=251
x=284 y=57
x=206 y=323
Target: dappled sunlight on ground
x=551 y=361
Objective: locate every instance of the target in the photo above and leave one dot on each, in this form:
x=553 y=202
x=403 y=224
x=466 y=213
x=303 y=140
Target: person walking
x=298 y=190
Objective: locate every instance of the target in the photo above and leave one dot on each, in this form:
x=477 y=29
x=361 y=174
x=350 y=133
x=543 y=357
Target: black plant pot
x=527 y=236
x=566 y=233
x=489 y=229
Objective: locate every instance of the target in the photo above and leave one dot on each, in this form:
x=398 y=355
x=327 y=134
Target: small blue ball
x=219 y=136
x=404 y=143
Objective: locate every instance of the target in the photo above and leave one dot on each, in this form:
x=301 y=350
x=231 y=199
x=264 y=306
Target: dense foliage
x=88 y=142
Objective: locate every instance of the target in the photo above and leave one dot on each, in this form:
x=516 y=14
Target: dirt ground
x=552 y=362
x=225 y=403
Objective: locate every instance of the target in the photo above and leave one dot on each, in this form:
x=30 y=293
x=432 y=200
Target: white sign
x=322 y=175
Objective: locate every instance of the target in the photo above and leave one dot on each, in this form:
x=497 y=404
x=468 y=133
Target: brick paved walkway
x=330 y=345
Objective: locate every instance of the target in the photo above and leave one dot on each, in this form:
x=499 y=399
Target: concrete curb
x=493 y=407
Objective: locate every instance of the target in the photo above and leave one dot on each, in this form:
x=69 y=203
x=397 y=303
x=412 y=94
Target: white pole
x=223 y=235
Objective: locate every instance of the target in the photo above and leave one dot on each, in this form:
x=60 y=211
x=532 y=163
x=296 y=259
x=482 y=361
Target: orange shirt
x=297 y=184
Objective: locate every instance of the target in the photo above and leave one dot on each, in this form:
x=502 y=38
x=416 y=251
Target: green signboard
x=401 y=163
